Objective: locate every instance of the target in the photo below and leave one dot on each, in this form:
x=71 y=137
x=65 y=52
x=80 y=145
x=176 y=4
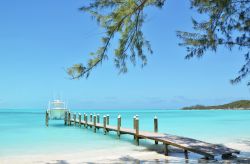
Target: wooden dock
x=208 y=150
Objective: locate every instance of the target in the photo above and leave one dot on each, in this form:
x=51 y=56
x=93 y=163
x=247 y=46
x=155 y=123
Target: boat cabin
x=56 y=110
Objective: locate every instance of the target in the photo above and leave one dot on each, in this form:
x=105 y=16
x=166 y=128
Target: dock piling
x=90 y=119
x=80 y=119
x=104 y=124
x=65 y=117
x=107 y=117
x=166 y=149
x=74 y=119
x=47 y=118
x=134 y=124
x=119 y=126
x=137 y=131
x=95 y=123
x=107 y=122
x=98 y=118
x=156 y=127
x=69 y=118
x=86 y=121
x=134 y=121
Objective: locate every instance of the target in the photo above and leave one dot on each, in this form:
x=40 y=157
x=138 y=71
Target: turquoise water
x=23 y=132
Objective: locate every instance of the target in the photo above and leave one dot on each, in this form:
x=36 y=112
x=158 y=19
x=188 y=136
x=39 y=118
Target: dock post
x=65 y=117
x=166 y=149
x=119 y=126
x=156 y=127
x=104 y=124
x=86 y=121
x=80 y=119
x=95 y=123
x=137 y=131
x=134 y=124
x=107 y=119
x=107 y=122
x=134 y=121
x=75 y=119
x=90 y=119
x=47 y=118
x=98 y=119
x=69 y=118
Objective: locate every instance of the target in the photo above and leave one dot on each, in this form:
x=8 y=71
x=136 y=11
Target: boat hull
x=57 y=114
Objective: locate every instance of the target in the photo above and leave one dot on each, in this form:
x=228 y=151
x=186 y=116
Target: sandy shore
x=95 y=156
x=153 y=154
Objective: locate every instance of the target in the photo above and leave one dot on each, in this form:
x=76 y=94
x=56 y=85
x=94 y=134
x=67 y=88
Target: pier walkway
x=208 y=150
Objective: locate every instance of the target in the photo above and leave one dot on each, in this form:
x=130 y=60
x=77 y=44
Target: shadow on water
x=129 y=159
x=57 y=125
x=58 y=162
x=137 y=161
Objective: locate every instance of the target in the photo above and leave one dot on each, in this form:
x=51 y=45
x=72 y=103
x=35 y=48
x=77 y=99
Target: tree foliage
x=123 y=18
x=227 y=24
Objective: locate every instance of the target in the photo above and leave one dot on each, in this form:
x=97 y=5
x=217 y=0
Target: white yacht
x=56 y=110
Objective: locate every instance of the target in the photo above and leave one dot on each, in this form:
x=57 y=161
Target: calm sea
x=23 y=132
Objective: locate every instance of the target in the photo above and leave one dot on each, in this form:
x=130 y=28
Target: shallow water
x=23 y=132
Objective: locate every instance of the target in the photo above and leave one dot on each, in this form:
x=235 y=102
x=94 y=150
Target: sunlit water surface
x=23 y=132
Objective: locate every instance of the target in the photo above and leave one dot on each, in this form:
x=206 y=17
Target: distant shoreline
x=236 y=105
x=219 y=109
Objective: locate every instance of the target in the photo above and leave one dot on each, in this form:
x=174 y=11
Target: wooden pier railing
x=208 y=150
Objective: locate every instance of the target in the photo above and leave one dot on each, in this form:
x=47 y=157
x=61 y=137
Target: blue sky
x=39 y=39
